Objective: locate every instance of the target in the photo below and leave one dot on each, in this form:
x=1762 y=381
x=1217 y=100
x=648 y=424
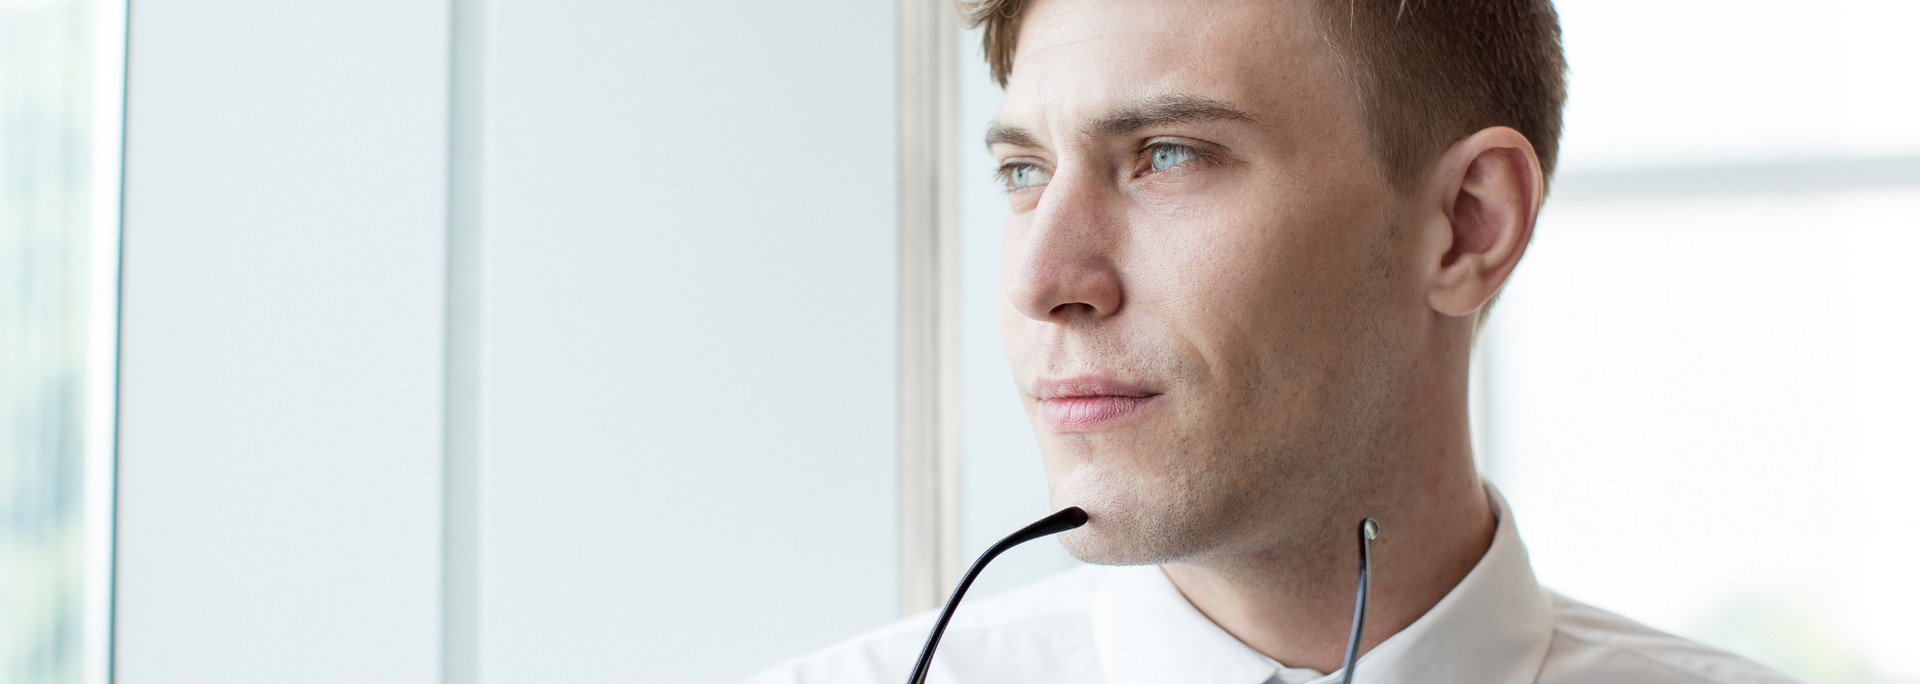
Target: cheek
x=1012 y=322
x=1222 y=266
x=1264 y=286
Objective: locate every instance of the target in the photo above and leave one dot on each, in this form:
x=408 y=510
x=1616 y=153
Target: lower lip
x=1082 y=414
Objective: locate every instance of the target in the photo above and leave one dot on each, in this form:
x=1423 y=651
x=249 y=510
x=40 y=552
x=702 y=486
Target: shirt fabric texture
x=1130 y=625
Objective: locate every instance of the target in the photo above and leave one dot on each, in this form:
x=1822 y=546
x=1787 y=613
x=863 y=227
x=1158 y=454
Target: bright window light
x=1700 y=387
x=61 y=69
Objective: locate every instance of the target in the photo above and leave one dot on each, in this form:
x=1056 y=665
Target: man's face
x=1201 y=292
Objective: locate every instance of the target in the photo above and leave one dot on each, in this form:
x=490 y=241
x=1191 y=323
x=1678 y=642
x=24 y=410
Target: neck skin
x=1292 y=598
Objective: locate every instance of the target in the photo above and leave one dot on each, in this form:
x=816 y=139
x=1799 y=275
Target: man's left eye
x=1167 y=156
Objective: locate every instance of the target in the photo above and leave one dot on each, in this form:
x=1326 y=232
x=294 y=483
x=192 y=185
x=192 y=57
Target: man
x=1249 y=245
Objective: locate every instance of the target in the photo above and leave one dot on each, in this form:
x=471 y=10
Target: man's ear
x=1488 y=188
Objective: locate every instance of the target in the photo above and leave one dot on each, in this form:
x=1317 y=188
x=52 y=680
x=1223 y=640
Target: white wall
x=640 y=427
x=279 y=461
x=688 y=466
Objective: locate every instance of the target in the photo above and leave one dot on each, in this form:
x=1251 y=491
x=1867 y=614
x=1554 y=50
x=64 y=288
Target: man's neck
x=1297 y=608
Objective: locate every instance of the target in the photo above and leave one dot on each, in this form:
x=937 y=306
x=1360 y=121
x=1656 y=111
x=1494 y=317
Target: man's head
x=1427 y=72
x=1247 y=244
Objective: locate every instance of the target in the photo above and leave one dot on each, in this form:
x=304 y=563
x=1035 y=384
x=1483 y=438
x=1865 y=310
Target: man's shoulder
x=1593 y=646
x=1041 y=614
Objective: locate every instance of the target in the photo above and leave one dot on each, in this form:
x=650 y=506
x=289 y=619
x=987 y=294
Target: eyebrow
x=1159 y=111
x=1002 y=133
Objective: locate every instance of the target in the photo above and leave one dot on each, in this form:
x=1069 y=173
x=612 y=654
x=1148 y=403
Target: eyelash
x=1003 y=175
x=1196 y=155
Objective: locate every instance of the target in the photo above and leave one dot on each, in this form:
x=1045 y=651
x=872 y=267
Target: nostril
x=1073 y=309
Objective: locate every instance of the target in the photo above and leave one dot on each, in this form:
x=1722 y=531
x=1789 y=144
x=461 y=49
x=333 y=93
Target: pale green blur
x=46 y=92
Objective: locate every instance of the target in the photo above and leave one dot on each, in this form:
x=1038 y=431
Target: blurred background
x=492 y=340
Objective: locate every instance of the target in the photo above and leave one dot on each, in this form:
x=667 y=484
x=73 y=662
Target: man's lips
x=1086 y=403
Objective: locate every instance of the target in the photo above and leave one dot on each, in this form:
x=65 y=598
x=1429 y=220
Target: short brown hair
x=1428 y=72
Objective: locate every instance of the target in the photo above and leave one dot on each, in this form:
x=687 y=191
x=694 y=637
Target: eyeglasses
x=1072 y=517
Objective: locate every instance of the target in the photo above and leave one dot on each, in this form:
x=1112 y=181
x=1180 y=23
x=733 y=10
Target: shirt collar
x=1492 y=628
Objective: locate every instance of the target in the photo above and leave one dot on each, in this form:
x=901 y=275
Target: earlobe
x=1490 y=188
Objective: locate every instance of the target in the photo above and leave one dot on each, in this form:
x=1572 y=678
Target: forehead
x=1076 y=60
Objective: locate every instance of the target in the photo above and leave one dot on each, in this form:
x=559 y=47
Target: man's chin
x=1125 y=525
x=1090 y=547
x=1125 y=536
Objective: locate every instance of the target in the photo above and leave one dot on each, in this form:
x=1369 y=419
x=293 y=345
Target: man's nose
x=1061 y=265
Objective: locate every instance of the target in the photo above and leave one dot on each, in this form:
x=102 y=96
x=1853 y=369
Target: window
x=1700 y=384
x=60 y=92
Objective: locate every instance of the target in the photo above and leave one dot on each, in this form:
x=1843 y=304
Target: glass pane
x=60 y=112
x=1700 y=383
x=1687 y=82
x=1702 y=414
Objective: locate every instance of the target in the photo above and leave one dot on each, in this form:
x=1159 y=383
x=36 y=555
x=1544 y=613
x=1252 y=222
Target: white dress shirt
x=1129 y=625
